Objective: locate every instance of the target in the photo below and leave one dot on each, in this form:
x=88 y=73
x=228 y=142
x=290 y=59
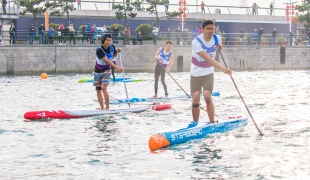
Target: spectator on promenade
x=308 y=37
x=256 y=9
x=59 y=37
x=167 y=6
x=274 y=37
x=260 y=33
x=79 y=4
x=139 y=37
x=168 y=34
x=88 y=33
x=136 y=7
x=113 y=5
x=12 y=33
x=128 y=3
x=271 y=9
x=1 y=43
x=202 y=6
x=66 y=34
x=127 y=35
x=61 y=34
x=84 y=33
x=241 y=36
x=91 y=35
x=72 y=33
x=41 y=34
x=155 y=35
x=255 y=36
x=32 y=33
x=139 y=6
x=195 y=32
x=4 y=3
x=291 y=38
x=51 y=35
x=115 y=35
x=109 y=30
x=253 y=8
x=217 y=30
x=186 y=34
x=178 y=34
x=104 y=30
x=95 y=34
x=200 y=30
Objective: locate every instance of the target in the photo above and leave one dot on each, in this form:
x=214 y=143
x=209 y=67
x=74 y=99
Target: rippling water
x=116 y=147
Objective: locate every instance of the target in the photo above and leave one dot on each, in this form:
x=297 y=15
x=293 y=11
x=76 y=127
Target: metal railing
x=184 y=38
x=191 y=8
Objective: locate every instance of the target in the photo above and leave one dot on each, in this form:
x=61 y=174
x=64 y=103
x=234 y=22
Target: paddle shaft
x=241 y=97
x=120 y=59
x=175 y=81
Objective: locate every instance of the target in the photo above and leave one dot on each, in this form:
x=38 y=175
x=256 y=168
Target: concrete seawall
x=27 y=60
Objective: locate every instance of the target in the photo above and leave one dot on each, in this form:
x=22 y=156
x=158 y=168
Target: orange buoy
x=43 y=76
x=160 y=107
x=158 y=141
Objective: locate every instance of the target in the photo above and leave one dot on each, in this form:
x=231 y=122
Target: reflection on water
x=206 y=154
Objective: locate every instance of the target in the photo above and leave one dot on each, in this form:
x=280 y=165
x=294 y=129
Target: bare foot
x=155 y=96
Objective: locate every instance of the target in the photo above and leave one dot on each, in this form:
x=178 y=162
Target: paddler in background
x=204 y=48
x=164 y=58
x=105 y=56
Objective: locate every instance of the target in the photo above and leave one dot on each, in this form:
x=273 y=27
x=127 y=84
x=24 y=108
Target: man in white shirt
x=203 y=62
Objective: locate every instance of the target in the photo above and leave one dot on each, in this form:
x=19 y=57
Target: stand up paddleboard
x=117 y=79
x=68 y=114
x=200 y=130
x=149 y=99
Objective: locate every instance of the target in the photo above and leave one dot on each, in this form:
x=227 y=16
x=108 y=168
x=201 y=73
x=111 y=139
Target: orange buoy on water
x=158 y=141
x=43 y=76
x=160 y=107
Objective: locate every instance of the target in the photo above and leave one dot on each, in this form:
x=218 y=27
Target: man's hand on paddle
x=119 y=50
x=219 y=46
x=226 y=70
x=119 y=69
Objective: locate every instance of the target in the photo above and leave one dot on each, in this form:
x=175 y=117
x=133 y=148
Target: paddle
x=241 y=97
x=120 y=59
x=175 y=81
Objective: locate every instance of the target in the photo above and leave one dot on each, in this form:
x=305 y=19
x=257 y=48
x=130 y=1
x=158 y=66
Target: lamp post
x=290 y=12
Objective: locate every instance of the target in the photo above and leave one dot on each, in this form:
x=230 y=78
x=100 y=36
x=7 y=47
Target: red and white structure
x=290 y=13
x=182 y=8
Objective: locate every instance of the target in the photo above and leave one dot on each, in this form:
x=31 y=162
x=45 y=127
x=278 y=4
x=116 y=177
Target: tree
x=173 y=14
x=305 y=17
x=36 y=7
x=153 y=10
x=65 y=5
x=123 y=11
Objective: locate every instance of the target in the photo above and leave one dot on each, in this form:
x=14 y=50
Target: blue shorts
x=103 y=77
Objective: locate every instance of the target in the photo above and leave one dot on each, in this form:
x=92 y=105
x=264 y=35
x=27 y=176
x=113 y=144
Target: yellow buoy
x=43 y=76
